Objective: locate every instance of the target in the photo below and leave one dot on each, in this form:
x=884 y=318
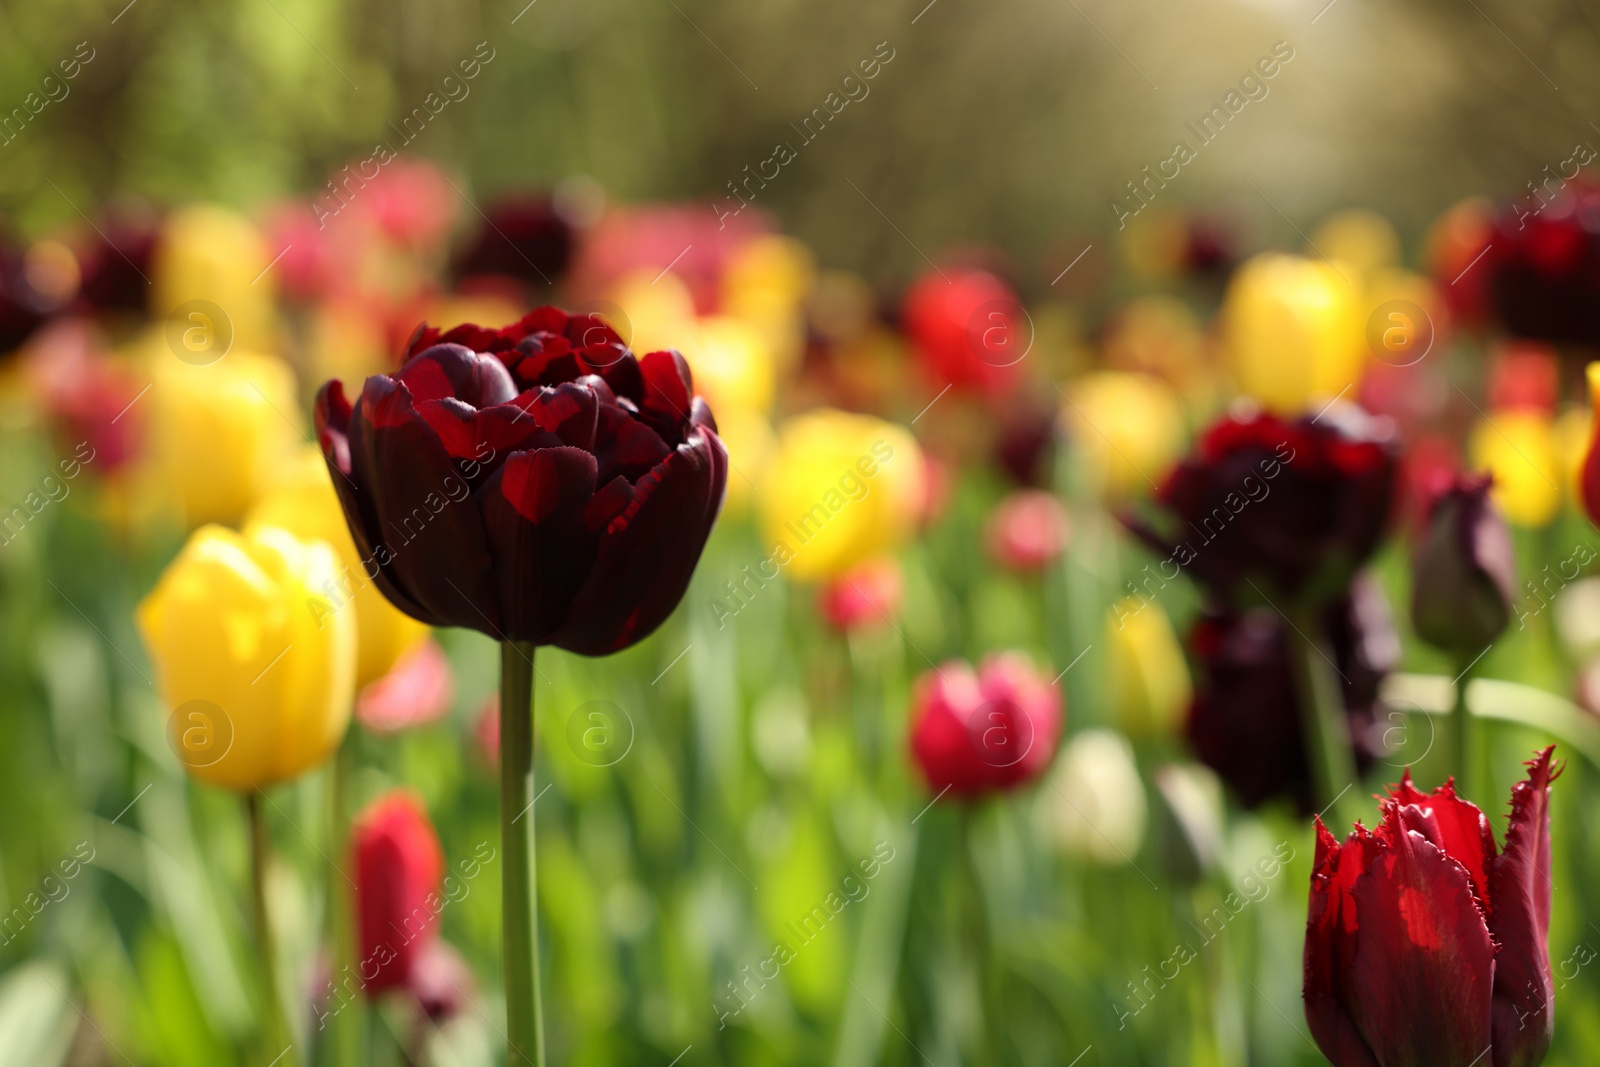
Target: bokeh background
x=747 y=760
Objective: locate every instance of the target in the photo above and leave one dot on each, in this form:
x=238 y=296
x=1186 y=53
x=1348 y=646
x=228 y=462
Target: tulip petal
x=1422 y=971
x=422 y=524
x=647 y=554
x=1524 y=997
x=333 y=416
x=1453 y=824
x=1331 y=927
x=533 y=511
x=460 y=373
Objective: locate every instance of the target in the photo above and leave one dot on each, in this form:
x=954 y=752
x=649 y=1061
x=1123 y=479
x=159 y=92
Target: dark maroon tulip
x=1293 y=507
x=1423 y=947
x=523 y=237
x=1543 y=265
x=115 y=266
x=537 y=483
x=1245 y=722
x=1464 y=576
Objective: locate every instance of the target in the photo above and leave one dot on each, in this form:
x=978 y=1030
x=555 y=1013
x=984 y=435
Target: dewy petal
x=437 y=552
x=533 y=511
x=1524 y=997
x=648 y=552
x=1422 y=970
x=1331 y=930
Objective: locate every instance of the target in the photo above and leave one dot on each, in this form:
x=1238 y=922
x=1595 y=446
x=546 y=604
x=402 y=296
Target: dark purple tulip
x=1293 y=507
x=1245 y=722
x=523 y=237
x=1464 y=575
x=116 y=266
x=1543 y=265
x=537 y=483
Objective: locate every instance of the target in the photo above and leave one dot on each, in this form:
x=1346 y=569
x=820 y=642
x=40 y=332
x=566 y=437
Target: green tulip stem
x=275 y=1030
x=1323 y=720
x=1463 y=731
x=519 y=880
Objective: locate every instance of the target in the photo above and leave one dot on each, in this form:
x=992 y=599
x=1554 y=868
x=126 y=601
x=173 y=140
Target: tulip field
x=464 y=613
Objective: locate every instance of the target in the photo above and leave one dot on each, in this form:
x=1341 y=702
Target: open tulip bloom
x=1425 y=948
x=541 y=484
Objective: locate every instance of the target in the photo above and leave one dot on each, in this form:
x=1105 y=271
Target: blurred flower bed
x=980 y=734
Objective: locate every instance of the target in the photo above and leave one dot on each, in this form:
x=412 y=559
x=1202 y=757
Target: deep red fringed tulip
x=993 y=730
x=398 y=868
x=1295 y=507
x=1464 y=578
x=536 y=483
x=1245 y=722
x=968 y=328
x=1423 y=947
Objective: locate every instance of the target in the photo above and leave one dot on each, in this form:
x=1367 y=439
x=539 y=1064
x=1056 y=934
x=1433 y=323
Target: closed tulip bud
x=1464 y=574
x=1128 y=426
x=977 y=733
x=213 y=261
x=303 y=501
x=1520 y=449
x=1426 y=947
x=256 y=665
x=841 y=489
x=442 y=982
x=1028 y=530
x=221 y=430
x=1589 y=480
x=1096 y=808
x=1149 y=676
x=398 y=868
x=865 y=597
x=1293 y=331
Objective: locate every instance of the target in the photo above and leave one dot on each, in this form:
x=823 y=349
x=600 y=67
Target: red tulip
x=968 y=328
x=537 y=483
x=1423 y=947
x=867 y=595
x=416 y=691
x=1028 y=531
x=398 y=865
x=993 y=730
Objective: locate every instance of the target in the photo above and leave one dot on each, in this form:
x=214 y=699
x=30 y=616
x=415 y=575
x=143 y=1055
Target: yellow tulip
x=1363 y=239
x=763 y=285
x=1129 y=427
x=304 y=503
x=749 y=440
x=731 y=364
x=1520 y=448
x=841 y=488
x=221 y=430
x=1149 y=676
x=210 y=258
x=1294 y=332
x=1574 y=430
x=255 y=662
x=658 y=311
